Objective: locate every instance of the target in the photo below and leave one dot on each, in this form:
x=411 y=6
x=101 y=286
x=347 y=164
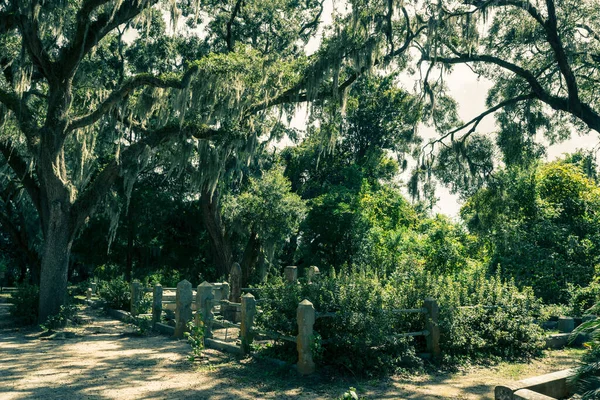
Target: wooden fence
x=213 y=309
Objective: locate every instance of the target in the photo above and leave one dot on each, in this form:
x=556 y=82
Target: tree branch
x=229 y=36
x=88 y=34
x=551 y=27
x=477 y=120
x=589 y=30
x=17 y=163
x=295 y=94
x=86 y=203
x=32 y=42
x=521 y=4
x=537 y=88
x=119 y=94
x=315 y=22
x=585 y=113
x=22 y=113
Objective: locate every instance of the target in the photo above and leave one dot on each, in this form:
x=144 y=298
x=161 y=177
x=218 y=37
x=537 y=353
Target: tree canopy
x=93 y=92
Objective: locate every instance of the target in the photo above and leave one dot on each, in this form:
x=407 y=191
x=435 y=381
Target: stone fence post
x=183 y=310
x=248 y=312
x=305 y=316
x=311 y=272
x=204 y=306
x=225 y=291
x=157 y=295
x=291 y=274
x=88 y=293
x=235 y=278
x=136 y=297
x=431 y=324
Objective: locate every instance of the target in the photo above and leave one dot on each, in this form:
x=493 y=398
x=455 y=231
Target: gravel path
x=105 y=359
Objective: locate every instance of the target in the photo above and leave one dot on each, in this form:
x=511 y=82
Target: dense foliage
x=480 y=317
x=24 y=303
x=541 y=226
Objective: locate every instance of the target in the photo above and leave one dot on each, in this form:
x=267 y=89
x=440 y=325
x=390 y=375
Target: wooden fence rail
x=209 y=297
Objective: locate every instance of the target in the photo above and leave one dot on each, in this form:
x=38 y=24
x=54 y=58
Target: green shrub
x=484 y=318
x=358 y=336
x=25 y=303
x=168 y=278
x=547 y=311
x=583 y=298
x=116 y=293
x=107 y=272
x=68 y=312
x=195 y=338
x=80 y=289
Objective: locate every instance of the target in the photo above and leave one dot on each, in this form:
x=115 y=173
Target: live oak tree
x=77 y=114
x=543 y=57
x=90 y=88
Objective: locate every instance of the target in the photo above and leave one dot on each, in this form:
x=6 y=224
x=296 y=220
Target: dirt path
x=106 y=360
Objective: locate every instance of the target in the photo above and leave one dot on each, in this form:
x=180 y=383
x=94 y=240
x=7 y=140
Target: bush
x=583 y=298
x=359 y=336
x=68 y=312
x=25 y=303
x=548 y=311
x=116 y=293
x=482 y=318
x=356 y=338
x=80 y=288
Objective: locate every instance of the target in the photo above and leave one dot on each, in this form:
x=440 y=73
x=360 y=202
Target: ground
x=106 y=359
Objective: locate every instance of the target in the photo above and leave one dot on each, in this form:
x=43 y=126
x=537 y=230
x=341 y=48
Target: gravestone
x=235 y=278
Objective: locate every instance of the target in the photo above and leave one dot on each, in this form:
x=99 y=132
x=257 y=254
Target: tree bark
x=55 y=262
x=211 y=216
x=130 y=241
x=250 y=258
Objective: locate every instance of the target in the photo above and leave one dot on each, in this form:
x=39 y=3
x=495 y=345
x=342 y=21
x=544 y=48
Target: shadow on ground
x=105 y=360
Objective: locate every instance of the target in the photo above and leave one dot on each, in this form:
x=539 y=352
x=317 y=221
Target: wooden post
x=248 y=312
x=183 y=310
x=291 y=273
x=305 y=316
x=235 y=279
x=157 y=295
x=136 y=297
x=432 y=326
x=204 y=306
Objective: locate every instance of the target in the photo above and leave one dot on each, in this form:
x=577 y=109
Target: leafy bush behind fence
x=359 y=337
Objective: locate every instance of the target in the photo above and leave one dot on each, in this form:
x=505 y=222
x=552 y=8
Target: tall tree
x=540 y=225
x=543 y=57
x=91 y=87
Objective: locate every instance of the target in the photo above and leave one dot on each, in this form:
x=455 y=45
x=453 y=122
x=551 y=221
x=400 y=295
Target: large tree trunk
x=130 y=240
x=57 y=221
x=55 y=262
x=211 y=216
x=250 y=258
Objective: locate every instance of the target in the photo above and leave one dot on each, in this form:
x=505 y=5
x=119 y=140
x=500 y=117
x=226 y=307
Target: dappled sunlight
x=106 y=360
x=117 y=365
